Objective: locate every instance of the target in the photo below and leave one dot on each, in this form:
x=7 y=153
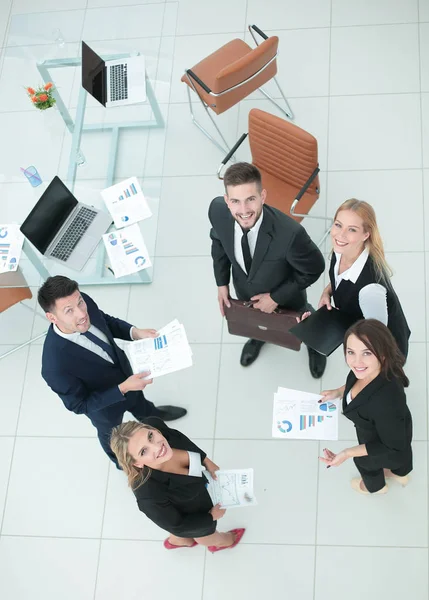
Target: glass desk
x=90 y=147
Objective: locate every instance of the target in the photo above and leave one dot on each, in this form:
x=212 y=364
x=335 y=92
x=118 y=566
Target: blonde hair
x=119 y=440
x=374 y=243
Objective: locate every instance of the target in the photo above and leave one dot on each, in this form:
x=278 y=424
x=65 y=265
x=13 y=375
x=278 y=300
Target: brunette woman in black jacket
x=373 y=398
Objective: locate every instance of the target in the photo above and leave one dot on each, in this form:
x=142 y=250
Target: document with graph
x=167 y=353
x=299 y=416
x=126 y=203
x=11 y=240
x=233 y=488
x=126 y=250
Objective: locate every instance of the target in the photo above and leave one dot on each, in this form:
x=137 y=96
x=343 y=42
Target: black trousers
x=111 y=417
x=371 y=469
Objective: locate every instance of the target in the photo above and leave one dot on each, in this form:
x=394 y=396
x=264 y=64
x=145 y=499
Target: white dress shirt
x=372 y=297
x=195 y=467
x=252 y=238
x=82 y=340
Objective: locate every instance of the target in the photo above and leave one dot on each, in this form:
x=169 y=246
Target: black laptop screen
x=93 y=74
x=49 y=214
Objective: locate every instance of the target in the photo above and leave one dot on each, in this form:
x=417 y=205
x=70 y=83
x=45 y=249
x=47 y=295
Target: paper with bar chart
x=11 y=240
x=126 y=203
x=127 y=251
x=298 y=415
x=168 y=352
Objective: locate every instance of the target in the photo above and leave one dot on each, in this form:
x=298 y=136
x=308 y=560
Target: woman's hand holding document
x=166 y=353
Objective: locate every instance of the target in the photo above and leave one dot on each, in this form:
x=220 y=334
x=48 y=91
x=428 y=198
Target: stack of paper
x=127 y=251
x=298 y=415
x=232 y=489
x=126 y=203
x=11 y=240
x=168 y=352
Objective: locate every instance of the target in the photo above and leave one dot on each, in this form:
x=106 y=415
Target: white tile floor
x=357 y=77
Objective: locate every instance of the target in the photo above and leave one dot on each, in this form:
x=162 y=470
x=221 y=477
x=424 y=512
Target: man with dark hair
x=82 y=363
x=273 y=259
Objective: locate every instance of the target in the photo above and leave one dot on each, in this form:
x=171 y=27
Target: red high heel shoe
x=169 y=546
x=238 y=535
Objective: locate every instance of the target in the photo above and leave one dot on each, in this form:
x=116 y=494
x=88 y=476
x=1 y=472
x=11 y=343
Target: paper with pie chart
x=126 y=250
x=298 y=415
x=11 y=240
x=126 y=202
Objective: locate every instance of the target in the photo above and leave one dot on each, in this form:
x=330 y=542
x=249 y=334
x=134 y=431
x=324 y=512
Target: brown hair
x=379 y=340
x=241 y=173
x=53 y=289
x=374 y=243
x=119 y=439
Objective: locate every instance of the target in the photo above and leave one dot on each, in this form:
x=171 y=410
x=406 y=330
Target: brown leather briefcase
x=249 y=322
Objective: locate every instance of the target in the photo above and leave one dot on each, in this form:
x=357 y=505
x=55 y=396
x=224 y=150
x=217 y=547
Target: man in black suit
x=82 y=363
x=272 y=257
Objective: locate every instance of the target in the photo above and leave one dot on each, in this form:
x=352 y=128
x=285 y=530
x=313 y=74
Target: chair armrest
x=201 y=83
x=230 y=153
x=303 y=190
x=258 y=31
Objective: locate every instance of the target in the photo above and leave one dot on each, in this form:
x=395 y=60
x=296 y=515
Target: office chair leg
x=23 y=345
x=288 y=112
x=325 y=235
x=224 y=149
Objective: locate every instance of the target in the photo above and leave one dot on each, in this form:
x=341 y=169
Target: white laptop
x=64 y=229
x=113 y=82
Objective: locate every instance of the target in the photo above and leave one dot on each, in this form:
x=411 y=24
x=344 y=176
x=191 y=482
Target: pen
x=30 y=174
x=109 y=269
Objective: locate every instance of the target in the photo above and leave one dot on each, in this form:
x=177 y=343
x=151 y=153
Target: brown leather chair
x=232 y=73
x=286 y=156
x=13 y=290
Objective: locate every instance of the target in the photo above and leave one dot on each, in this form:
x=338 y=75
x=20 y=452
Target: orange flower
x=48 y=86
x=42 y=97
x=31 y=91
x=33 y=99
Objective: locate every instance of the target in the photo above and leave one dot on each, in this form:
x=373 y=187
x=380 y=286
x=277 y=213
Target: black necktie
x=246 y=250
x=106 y=347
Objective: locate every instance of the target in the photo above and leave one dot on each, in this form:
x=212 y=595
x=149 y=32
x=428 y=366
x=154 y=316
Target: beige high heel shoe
x=404 y=480
x=355 y=483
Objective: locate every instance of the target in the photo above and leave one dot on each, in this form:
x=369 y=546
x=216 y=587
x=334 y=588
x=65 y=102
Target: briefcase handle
x=250 y=304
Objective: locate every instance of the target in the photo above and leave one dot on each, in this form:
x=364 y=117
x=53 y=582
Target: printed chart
x=298 y=415
x=232 y=489
x=126 y=203
x=11 y=240
x=127 y=251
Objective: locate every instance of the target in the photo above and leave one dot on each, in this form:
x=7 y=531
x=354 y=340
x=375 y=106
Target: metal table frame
x=76 y=128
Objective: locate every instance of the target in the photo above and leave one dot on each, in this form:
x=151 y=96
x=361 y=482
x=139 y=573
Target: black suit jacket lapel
x=365 y=395
x=263 y=242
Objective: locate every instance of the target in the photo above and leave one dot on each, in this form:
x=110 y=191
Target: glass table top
x=47 y=140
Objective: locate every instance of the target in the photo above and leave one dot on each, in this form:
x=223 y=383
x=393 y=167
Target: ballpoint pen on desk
x=109 y=269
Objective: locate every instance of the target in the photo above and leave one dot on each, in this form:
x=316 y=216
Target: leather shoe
x=250 y=352
x=317 y=363
x=170 y=413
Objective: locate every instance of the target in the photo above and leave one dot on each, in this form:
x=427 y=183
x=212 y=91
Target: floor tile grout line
x=157 y=541
x=101 y=531
x=15 y=439
x=326 y=213
x=425 y=245
x=84 y=9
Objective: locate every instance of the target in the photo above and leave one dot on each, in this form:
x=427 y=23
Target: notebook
x=323 y=330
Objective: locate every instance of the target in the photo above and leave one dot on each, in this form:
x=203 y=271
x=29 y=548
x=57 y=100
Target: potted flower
x=42 y=97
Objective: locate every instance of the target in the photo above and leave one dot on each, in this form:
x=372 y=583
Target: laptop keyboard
x=73 y=233
x=118 y=83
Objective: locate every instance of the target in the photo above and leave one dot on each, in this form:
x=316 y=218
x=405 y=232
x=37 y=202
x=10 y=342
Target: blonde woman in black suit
x=165 y=472
x=373 y=398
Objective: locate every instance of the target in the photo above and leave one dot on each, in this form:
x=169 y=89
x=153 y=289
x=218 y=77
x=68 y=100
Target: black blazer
x=382 y=419
x=346 y=298
x=179 y=504
x=286 y=261
x=84 y=381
